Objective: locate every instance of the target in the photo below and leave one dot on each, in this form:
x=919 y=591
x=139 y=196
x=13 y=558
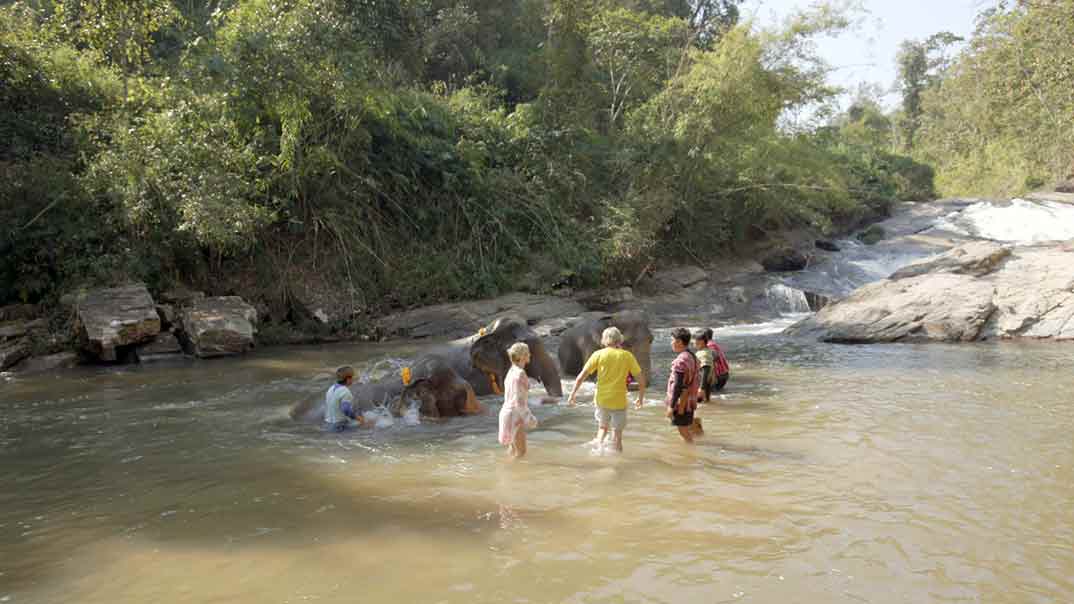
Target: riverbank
x=792 y=273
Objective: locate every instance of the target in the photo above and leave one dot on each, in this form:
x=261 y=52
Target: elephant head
x=440 y=391
x=488 y=354
x=637 y=338
x=583 y=339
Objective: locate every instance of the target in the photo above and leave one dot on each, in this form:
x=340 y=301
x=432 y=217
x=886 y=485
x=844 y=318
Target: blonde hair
x=518 y=351
x=343 y=373
x=611 y=337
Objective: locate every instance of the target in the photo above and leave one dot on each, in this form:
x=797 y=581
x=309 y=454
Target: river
x=828 y=474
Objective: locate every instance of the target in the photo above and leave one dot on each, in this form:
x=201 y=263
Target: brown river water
x=828 y=474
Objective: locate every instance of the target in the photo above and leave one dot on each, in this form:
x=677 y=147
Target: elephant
x=447 y=380
x=583 y=339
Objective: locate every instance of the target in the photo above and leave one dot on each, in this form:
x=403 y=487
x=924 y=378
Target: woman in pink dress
x=515 y=416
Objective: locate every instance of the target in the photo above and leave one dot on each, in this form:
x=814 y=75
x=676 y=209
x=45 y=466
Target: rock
x=785 y=260
x=976 y=258
x=166 y=312
x=827 y=246
x=11 y=353
x=1066 y=186
x=1034 y=295
x=324 y=301
x=946 y=307
x=19 y=312
x=464 y=318
x=816 y=301
x=872 y=235
x=52 y=362
x=181 y=296
x=605 y=298
x=736 y=295
x=977 y=291
x=17 y=329
x=116 y=317
x=219 y=326
x=163 y=347
x=681 y=277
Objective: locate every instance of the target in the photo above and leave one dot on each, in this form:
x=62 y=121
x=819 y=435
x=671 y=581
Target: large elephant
x=447 y=380
x=583 y=339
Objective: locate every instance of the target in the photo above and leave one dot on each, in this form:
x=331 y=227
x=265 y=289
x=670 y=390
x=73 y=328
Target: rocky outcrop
x=679 y=277
x=221 y=326
x=16 y=329
x=109 y=319
x=785 y=261
x=979 y=290
x=52 y=362
x=976 y=259
x=13 y=352
x=465 y=318
x=164 y=347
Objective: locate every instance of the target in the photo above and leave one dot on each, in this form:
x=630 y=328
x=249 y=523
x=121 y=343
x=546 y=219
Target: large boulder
x=13 y=352
x=109 y=319
x=976 y=291
x=161 y=348
x=977 y=258
x=680 y=277
x=785 y=260
x=52 y=362
x=465 y=318
x=16 y=329
x=220 y=326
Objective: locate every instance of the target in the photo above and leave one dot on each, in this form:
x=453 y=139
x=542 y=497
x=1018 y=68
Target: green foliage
x=1000 y=120
x=411 y=152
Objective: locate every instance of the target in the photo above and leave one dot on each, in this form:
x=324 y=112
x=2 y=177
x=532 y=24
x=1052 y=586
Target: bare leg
x=520 y=443
x=618 y=435
x=684 y=432
x=602 y=433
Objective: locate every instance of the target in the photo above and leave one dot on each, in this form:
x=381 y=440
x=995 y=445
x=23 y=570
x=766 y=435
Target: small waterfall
x=786 y=300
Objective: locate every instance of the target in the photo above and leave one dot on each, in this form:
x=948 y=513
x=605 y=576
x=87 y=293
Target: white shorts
x=610 y=418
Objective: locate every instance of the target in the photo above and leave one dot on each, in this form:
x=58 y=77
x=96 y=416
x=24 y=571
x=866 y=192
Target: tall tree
x=920 y=65
x=635 y=53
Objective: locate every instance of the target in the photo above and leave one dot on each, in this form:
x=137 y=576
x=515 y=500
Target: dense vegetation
x=398 y=152
x=996 y=119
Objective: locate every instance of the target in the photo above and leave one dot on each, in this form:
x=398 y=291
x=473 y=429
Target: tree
x=920 y=65
x=121 y=30
x=635 y=52
x=707 y=19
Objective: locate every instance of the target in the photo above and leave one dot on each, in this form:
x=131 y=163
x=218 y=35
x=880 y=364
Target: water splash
x=1020 y=221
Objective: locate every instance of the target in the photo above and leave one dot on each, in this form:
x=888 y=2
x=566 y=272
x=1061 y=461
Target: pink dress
x=516 y=409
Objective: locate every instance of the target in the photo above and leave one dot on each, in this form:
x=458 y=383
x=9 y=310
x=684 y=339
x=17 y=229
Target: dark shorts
x=721 y=381
x=683 y=419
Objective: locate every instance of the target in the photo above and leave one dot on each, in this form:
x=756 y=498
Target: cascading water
x=1018 y=221
x=786 y=300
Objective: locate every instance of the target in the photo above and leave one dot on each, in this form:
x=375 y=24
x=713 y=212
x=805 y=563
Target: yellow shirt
x=612 y=366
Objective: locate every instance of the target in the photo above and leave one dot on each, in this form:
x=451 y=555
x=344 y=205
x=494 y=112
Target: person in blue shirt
x=339 y=402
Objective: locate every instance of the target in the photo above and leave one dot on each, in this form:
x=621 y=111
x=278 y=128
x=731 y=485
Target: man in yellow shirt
x=612 y=365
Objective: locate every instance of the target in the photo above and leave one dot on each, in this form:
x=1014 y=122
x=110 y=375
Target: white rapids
x=1020 y=221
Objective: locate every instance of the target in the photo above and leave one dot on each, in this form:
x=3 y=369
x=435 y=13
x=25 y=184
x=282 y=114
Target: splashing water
x=1020 y=221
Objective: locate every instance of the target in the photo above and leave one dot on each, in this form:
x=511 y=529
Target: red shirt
x=722 y=368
